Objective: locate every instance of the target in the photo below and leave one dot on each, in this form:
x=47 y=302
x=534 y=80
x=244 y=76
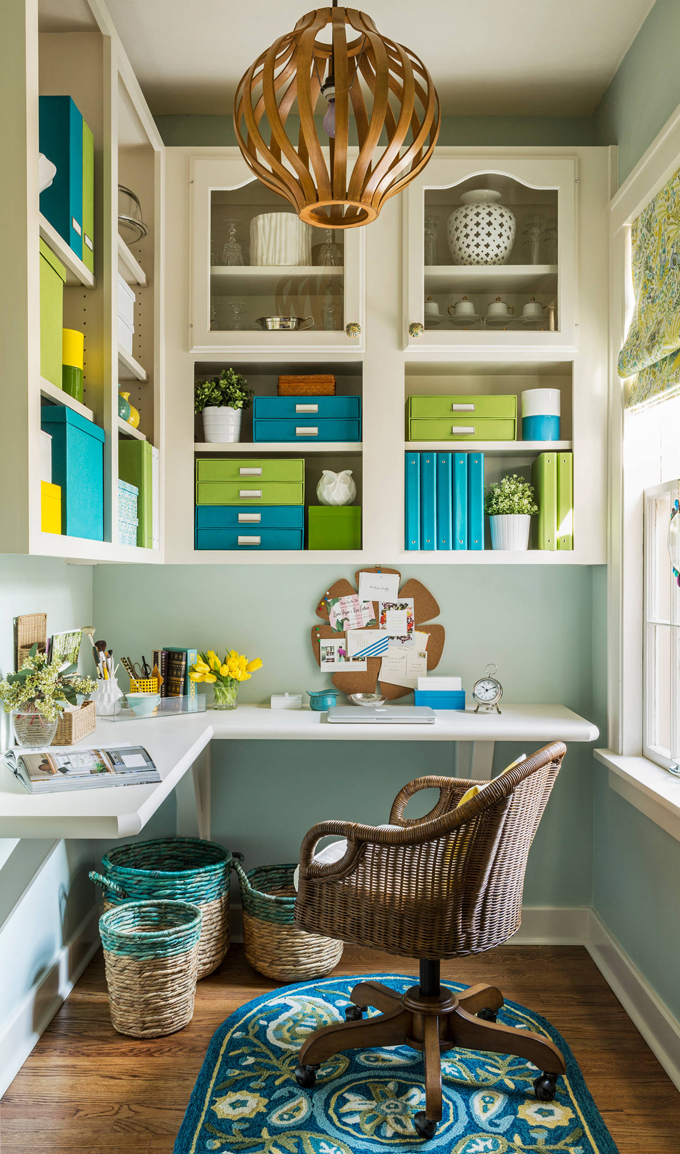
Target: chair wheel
x=545 y=1087
x=305 y=1076
x=425 y=1127
x=488 y=1015
x=353 y=1013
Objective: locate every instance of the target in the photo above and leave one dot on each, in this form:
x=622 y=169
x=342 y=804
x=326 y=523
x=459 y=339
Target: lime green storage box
x=250 y=491
x=464 y=407
x=237 y=469
x=477 y=429
x=334 y=527
x=471 y=417
x=52 y=280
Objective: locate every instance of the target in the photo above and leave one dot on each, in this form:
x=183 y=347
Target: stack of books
x=552 y=476
x=174 y=664
x=444 y=501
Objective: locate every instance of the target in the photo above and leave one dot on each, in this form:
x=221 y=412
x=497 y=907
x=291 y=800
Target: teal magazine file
x=475 y=500
x=428 y=507
x=412 y=506
x=444 y=501
x=460 y=501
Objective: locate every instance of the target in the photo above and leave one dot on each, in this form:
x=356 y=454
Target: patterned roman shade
x=651 y=351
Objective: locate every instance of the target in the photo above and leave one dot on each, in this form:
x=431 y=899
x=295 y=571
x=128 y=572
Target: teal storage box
x=78 y=467
x=61 y=140
x=441 y=699
x=334 y=527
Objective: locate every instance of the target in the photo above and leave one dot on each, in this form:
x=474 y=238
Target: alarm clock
x=487 y=692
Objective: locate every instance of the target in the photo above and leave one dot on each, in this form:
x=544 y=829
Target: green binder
x=565 y=501
x=135 y=465
x=88 y=198
x=544 y=478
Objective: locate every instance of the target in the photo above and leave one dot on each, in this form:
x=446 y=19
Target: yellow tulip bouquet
x=225 y=675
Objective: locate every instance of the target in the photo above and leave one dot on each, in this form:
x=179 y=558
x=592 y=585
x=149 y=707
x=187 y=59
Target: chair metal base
x=432 y=1022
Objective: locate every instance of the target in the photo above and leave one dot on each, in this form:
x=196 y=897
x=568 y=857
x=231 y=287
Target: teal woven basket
x=274 y=945
x=177 y=869
x=151 y=958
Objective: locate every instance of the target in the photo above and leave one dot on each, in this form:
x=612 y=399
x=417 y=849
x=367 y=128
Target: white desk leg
x=474 y=759
x=193 y=799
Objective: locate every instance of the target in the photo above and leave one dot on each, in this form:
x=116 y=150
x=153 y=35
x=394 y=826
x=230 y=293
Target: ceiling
x=487 y=57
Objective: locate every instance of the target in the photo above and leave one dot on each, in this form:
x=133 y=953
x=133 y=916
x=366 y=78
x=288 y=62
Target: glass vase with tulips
x=224 y=674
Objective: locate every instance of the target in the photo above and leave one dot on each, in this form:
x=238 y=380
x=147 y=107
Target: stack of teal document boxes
x=68 y=203
x=248 y=505
x=78 y=467
x=307 y=419
x=444 y=501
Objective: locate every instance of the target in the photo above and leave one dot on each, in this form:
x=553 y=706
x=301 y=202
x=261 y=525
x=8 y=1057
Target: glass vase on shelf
x=330 y=254
x=32 y=729
x=232 y=253
x=533 y=232
x=431 y=224
x=550 y=242
x=235 y=316
x=225 y=695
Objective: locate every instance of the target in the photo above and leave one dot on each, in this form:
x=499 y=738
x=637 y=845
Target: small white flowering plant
x=40 y=687
x=510 y=497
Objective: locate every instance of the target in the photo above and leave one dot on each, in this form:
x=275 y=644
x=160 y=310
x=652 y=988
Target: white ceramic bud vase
x=482 y=231
x=221 y=424
x=336 y=488
x=510 y=531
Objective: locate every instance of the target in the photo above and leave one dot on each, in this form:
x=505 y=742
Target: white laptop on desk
x=383 y=714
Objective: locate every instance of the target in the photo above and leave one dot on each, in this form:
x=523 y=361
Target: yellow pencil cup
x=72 y=348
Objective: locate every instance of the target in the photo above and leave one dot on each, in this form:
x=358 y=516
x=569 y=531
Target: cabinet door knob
x=415 y=329
x=353 y=329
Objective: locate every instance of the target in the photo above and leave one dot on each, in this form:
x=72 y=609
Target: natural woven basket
x=75 y=724
x=274 y=946
x=180 y=869
x=151 y=961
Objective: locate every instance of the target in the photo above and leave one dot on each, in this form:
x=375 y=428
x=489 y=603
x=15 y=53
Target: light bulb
x=329 y=119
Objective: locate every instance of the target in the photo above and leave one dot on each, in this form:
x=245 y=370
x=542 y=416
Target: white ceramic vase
x=336 y=488
x=510 y=531
x=105 y=697
x=221 y=424
x=280 y=238
x=482 y=231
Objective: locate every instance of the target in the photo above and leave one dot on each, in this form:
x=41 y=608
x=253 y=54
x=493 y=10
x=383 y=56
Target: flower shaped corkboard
x=424 y=609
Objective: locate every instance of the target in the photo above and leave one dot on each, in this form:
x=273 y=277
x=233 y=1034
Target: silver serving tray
x=285 y=324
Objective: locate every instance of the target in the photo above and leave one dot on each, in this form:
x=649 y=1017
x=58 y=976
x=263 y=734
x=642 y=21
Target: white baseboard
x=658 y=1026
x=34 y=1014
x=552 y=926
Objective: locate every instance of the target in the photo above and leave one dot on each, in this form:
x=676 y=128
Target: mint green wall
x=534 y=622
x=645 y=90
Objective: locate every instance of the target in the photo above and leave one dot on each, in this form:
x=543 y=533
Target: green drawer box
x=52 y=278
x=476 y=429
x=235 y=469
x=468 y=406
x=333 y=527
x=250 y=491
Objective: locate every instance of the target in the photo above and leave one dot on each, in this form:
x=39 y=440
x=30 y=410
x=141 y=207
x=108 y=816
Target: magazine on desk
x=56 y=770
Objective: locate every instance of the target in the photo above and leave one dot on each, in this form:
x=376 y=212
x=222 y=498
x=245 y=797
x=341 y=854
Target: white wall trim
x=35 y=1013
x=652 y=171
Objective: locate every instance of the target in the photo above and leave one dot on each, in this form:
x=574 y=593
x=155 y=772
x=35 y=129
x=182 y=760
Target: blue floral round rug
x=246 y=1097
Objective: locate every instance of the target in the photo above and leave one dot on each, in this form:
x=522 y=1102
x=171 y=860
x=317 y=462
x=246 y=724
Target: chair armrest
x=451 y=789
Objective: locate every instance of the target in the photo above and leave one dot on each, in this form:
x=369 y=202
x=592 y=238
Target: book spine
x=177 y=667
x=565 y=501
x=190 y=689
x=444 y=501
x=475 y=500
x=460 y=501
x=412 y=507
x=163 y=666
x=544 y=477
x=428 y=511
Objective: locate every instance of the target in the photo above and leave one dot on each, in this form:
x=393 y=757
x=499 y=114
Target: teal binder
x=475 y=500
x=444 y=500
x=544 y=478
x=412 y=501
x=460 y=501
x=428 y=506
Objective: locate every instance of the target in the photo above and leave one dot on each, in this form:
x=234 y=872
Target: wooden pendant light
x=383 y=87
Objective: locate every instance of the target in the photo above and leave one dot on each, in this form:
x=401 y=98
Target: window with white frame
x=661 y=642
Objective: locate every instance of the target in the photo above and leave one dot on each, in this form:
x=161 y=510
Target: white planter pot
x=510 y=531
x=221 y=424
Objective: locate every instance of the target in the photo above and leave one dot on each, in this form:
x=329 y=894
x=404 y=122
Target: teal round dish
x=321 y=699
x=143 y=704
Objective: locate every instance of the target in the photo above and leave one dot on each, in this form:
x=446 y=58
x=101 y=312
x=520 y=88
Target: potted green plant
x=509 y=505
x=36 y=697
x=222 y=400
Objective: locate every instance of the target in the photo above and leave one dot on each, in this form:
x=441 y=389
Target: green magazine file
x=565 y=501
x=135 y=465
x=544 y=478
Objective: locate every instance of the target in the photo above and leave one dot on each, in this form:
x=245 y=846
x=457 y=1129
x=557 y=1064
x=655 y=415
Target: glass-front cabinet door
x=263 y=279
x=490 y=252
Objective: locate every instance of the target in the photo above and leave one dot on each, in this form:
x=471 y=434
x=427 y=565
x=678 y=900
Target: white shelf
x=47 y=389
x=126 y=430
x=490 y=278
x=76 y=272
x=258 y=280
x=128 y=266
x=128 y=368
x=491 y=448
x=279 y=447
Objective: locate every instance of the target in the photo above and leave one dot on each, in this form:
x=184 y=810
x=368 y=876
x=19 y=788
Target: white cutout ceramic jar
x=482 y=231
x=221 y=424
x=510 y=531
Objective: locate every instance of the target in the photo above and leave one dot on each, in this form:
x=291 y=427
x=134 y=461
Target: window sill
x=645 y=785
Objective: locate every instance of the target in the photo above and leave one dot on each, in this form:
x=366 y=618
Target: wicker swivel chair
x=443 y=886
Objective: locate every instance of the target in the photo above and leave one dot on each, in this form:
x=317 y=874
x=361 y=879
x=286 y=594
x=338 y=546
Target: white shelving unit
x=126 y=430
x=52 y=393
x=129 y=369
x=490 y=448
x=76 y=271
x=129 y=267
x=491 y=278
x=254 y=280
x=254 y=449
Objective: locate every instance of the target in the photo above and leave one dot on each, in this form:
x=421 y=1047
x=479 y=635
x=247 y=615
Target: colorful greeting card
x=334 y=657
x=396 y=619
x=350 y=613
x=366 y=642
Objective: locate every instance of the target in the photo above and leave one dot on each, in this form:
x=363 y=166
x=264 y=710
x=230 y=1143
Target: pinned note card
x=396 y=619
x=350 y=613
x=366 y=643
x=403 y=667
x=378 y=586
x=334 y=657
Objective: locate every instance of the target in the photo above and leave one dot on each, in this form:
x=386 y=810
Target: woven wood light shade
x=381 y=87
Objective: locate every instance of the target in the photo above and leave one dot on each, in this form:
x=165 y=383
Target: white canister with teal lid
x=541 y=414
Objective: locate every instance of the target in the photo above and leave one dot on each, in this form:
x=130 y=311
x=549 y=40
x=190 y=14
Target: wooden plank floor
x=87 y=1090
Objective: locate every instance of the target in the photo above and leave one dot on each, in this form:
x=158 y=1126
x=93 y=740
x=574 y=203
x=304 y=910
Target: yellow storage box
x=50 y=506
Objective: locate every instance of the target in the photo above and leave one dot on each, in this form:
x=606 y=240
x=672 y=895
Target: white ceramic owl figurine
x=336 y=488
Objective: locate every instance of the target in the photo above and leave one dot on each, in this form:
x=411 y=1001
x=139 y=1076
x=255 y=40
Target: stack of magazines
x=70 y=767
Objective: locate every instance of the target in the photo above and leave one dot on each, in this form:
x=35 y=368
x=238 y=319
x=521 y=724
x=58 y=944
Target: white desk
x=180 y=744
